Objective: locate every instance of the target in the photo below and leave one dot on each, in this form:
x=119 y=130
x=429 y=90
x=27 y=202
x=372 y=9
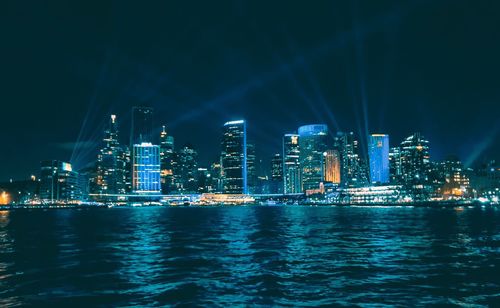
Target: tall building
x=291 y=164
x=58 y=182
x=251 y=168
x=166 y=159
x=395 y=171
x=332 y=166
x=142 y=125
x=378 y=156
x=111 y=162
x=353 y=168
x=146 y=168
x=186 y=170
x=234 y=157
x=276 y=184
x=216 y=176
x=313 y=143
x=415 y=159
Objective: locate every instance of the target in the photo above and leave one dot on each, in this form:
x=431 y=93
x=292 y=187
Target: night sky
x=393 y=67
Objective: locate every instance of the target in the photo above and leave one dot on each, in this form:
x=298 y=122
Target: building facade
x=146 y=168
x=291 y=164
x=167 y=151
x=234 y=158
x=332 y=166
x=58 y=182
x=313 y=143
x=378 y=156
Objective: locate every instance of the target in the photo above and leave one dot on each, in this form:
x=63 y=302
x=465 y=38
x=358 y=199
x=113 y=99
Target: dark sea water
x=262 y=256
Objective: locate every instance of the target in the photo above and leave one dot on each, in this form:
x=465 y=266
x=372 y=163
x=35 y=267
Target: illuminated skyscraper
x=395 y=172
x=415 y=159
x=332 y=166
x=276 y=183
x=234 y=157
x=142 y=125
x=251 y=168
x=58 y=182
x=378 y=155
x=185 y=170
x=146 y=168
x=353 y=172
x=313 y=143
x=111 y=162
x=166 y=159
x=291 y=164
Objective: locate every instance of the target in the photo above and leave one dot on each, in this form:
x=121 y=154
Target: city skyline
x=395 y=68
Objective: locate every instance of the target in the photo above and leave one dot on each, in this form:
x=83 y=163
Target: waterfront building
x=58 y=182
x=395 y=169
x=216 y=176
x=276 y=183
x=146 y=168
x=234 y=158
x=312 y=143
x=204 y=181
x=378 y=155
x=455 y=182
x=353 y=167
x=332 y=166
x=251 y=168
x=415 y=160
x=166 y=161
x=291 y=164
x=185 y=170
x=384 y=194
x=111 y=162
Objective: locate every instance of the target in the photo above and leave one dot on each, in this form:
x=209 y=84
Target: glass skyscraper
x=415 y=159
x=146 y=168
x=111 y=162
x=291 y=164
x=234 y=157
x=58 y=182
x=332 y=166
x=313 y=143
x=166 y=161
x=378 y=155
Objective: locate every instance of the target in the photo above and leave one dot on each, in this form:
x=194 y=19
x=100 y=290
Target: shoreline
x=428 y=204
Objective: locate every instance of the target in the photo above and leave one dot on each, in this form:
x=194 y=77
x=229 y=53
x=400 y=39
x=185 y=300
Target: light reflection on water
x=250 y=255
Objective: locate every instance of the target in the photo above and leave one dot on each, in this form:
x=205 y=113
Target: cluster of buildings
x=314 y=166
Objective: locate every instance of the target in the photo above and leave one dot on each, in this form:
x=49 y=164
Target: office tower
x=395 y=172
x=128 y=169
x=453 y=180
x=276 y=183
x=291 y=164
x=111 y=162
x=313 y=143
x=146 y=168
x=234 y=157
x=142 y=125
x=216 y=176
x=378 y=155
x=251 y=168
x=415 y=159
x=204 y=181
x=58 y=182
x=277 y=167
x=166 y=159
x=353 y=168
x=332 y=166
x=185 y=170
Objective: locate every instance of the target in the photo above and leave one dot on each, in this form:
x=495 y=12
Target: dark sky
x=365 y=66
